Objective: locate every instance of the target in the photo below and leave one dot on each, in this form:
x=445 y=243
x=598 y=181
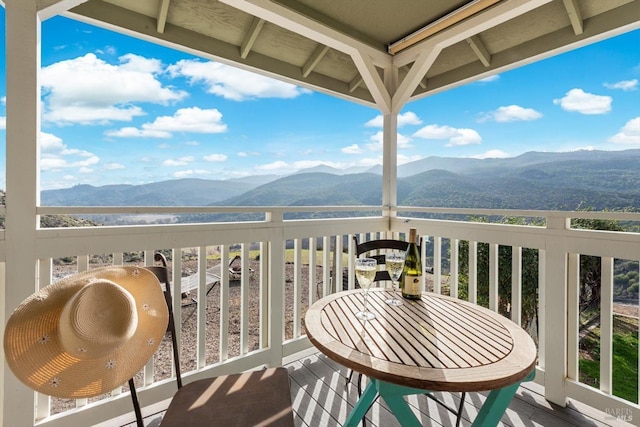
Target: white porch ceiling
x=342 y=47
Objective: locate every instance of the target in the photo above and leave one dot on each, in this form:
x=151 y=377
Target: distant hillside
x=556 y=181
x=468 y=165
x=181 y=192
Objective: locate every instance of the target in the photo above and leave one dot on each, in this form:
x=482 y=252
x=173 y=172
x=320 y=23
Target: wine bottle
x=412 y=283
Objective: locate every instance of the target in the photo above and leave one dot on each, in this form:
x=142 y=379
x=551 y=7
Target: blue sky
x=118 y=110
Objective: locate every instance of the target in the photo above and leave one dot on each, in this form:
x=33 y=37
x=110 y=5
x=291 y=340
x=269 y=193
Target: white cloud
x=584 y=103
x=277 y=165
x=89 y=90
x=194 y=120
x=491 y=154
x=625 y=85
x=3 y=122
x=233 y=83
x=403 y=141
x=408 y=118
x=191 y=172
x=352 y=149
x=511 y=113
x=114 y=166
x=455 y=136
x=56 y=155
x=178 y=162
x=215 y=157
x=629 y=134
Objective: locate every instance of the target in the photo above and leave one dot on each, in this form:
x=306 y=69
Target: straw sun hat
x=88 y=333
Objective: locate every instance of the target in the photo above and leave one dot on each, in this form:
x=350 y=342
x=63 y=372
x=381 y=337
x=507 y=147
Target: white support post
x=389 y=164
x=473 y=272
x=606 y=325
x=264 y=295
x=45 y=268
x=176 y=279
x=437 y=264
x=573 y=315
x=327 y=286
x=276 y=293
x=493 y=277
x=224 y=303
x=297 y=286
x=555 y=314
x=312 y=270
x=454 y=269
x=244 y=299
x=22 y=184
x=516 y=285
x=201 y=334
x=338 y=264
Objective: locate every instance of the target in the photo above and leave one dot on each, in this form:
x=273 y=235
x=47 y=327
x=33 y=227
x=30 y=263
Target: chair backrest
x=376 y=249
x=162 y=273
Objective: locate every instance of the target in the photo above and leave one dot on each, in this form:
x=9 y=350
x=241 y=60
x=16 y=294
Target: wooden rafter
x=423 y=81
x=162 y=15
x=480 y=50
x=50 y=8
x=573 y=10
x=251 y=37
x=314 y=60
x=357 y=81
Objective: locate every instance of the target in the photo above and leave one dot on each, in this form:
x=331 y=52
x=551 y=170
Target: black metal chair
x=260 y=397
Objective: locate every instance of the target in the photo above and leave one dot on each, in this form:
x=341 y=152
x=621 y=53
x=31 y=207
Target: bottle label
x=412 y=285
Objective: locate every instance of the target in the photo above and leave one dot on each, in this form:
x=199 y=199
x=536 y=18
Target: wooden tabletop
x=437 y=343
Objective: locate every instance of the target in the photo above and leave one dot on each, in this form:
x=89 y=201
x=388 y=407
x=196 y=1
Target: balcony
x=258 y=319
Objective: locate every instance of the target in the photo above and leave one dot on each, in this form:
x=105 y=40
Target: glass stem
x=365 y=299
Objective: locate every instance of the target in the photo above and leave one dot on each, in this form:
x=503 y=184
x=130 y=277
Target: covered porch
x=298 y=259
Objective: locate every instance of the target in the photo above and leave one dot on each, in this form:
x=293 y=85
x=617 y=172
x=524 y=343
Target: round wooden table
x=437 y=343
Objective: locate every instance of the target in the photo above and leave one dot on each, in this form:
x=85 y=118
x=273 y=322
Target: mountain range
x=534 y=180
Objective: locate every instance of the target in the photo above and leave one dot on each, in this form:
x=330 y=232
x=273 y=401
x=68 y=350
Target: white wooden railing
x=557 y=246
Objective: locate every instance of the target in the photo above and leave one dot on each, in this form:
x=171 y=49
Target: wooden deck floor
x=320 y=399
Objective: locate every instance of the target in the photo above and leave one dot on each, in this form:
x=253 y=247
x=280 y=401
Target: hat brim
x=35 y=355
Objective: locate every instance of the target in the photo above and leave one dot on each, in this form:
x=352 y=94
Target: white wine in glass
x=394 y=264
x=365 y=273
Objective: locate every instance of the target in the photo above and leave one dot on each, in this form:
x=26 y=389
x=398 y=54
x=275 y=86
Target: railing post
x=555 y=313
x=22 y=184
x=276 y=288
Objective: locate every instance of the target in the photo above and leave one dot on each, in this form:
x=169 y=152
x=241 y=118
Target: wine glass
x=365 y=273
x=394 y=264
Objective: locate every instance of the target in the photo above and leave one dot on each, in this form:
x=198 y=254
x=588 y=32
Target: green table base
x=489 y=415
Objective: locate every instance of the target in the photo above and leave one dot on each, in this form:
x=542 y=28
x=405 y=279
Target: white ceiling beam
x=575 y=16
x=314 y=60
x=163 y=11
x=414 y=77
x=424 y=54
x=422 y=83
x=480 y=50
x=50 y=8
x=251 y=37
x=353 y=84
x=312 y=29
x=373 y=81
x=498 y=14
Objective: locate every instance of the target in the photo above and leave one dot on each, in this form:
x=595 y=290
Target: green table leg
x=496 y=404
x=390 y=393
x=362 y=405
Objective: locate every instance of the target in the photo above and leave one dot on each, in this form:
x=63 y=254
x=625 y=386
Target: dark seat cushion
x=257 y=398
